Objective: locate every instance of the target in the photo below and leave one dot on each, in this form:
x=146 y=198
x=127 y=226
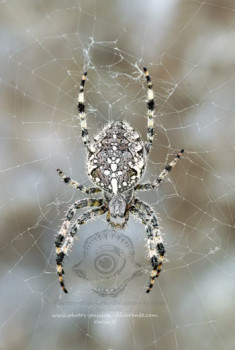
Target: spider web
x=188 y=49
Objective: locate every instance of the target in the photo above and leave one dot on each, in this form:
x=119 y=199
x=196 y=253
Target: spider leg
x=82 y=203
x=150 y=112
x=75 y=184
x=82 y=113
x=61 y=251
x=155 y=245
x=162 y=176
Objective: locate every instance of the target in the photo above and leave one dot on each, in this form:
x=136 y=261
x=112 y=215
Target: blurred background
x=188 y=47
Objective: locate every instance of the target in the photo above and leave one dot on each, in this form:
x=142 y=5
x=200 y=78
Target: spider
x=116 y=162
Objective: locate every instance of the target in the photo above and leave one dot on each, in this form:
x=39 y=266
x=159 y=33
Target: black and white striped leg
x=62 y=250
x=67 y=180
x=150 y=112
x=168 y=168
x=162 y=176
x=155 y=245
x=83 y=203
x=82 y=113
x=144 y=187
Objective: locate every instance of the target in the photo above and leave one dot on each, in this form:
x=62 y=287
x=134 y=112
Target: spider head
x=117 y=205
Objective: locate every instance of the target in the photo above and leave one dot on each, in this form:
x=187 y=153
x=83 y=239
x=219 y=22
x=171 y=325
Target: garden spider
x=116 y=162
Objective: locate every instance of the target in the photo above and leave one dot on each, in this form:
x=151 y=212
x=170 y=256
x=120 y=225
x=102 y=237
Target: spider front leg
x=83 y=203
x=64 y=241
x=155 y=245
x=162 y=176
x=67 y=180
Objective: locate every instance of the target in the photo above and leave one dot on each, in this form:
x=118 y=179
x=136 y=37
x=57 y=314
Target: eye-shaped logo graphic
x=108 y=262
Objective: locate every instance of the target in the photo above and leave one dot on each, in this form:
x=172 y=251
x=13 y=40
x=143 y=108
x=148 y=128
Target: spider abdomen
x=117 y=158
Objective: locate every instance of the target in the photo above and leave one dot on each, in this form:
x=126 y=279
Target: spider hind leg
x=82 y=112
x=150 y=111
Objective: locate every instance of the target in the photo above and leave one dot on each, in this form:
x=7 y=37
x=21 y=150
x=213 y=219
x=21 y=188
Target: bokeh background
x=188 y=47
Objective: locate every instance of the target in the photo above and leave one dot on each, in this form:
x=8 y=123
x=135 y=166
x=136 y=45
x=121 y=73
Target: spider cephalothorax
x=116 y=163
x=118 y=207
